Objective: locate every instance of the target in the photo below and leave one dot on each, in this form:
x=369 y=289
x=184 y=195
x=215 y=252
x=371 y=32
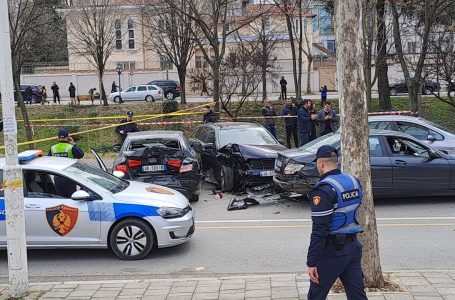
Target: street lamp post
x=119 y=72
x=12 y=206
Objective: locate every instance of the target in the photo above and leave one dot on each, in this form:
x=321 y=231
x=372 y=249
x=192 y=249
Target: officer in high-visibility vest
x=65 y=146
x=334 y=250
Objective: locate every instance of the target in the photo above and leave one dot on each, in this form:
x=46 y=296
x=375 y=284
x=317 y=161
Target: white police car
x=71 y=204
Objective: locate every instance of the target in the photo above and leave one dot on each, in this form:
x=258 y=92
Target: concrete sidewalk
x=425 y=285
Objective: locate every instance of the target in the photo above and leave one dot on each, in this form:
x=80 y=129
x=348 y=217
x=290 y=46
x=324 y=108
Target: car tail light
x=186 y=168
x=134 y=163
x=121 y=168
x=177 y=89
x=175 y=163
x=159 y=92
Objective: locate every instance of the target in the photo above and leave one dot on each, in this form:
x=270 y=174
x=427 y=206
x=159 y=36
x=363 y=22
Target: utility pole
x=12 y=172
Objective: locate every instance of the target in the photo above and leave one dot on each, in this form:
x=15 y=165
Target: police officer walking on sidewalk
x=334 y=250
x=65 y=146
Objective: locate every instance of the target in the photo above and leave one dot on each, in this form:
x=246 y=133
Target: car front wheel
x=227 y=179
x=427 y=91
x=131 y=239
x=393 y=92
x=117 y=99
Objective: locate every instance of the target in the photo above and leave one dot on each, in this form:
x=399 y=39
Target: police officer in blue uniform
x=334 y=250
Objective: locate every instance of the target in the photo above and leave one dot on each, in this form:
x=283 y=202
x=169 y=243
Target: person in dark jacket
x=114 y=87
x=124 y=129
x=283 y=84
x=28 y=95
x=55 y=92
x=269 y=117
x=313 y=134
x=323 y=91
x=290 y=112
x=72 y=91
x=326 y=119
x=305 y=119
x=209 y=116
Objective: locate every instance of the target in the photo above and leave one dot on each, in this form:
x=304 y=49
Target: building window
x=131 y=34
x=412 y=47
x=165 y=63
x=118 y=35
x=331 y=45
x=127 y=65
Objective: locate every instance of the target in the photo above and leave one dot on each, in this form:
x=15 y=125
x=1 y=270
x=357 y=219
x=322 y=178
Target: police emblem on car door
x=62 y=218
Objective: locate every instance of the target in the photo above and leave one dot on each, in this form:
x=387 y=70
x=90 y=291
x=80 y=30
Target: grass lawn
x=432 y=109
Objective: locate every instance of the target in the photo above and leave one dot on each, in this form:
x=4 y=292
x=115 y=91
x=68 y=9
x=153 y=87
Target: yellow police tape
x=101 y=118
x=13 y=184
x=114 y=125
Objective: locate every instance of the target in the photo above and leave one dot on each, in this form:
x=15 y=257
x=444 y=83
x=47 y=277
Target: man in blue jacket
x=305 y=120
x=326 y=119
x=290 y=112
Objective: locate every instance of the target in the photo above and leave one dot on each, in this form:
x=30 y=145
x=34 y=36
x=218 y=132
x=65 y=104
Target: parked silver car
x=143 y=92
x=432 y=134
x=69 y=204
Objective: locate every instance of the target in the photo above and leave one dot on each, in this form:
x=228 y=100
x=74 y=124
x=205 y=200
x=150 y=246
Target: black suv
x=171 y=88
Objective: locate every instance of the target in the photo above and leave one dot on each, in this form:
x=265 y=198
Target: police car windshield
x=98 y=177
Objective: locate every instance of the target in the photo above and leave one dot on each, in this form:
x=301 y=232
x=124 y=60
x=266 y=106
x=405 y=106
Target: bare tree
x=354 y=125
x=381 y=58
x=441 y=65
x=172 y=35
x=264 y=41
x=25 y=16
x=240 y=70
x=91 y=33
x=421 y=16
x=216 y=21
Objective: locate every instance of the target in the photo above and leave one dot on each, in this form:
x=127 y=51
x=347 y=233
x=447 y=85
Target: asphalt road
x=414 y=234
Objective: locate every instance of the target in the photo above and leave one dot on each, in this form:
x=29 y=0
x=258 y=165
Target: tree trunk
x=300 y=48
x=381 y=59
x=308 y=77
x=21 y=104
x=182 y=79
x=367 y=73
x=354 y=126
x=414 y=94
x=101 y=85
x=216 y=84
x=289 y=23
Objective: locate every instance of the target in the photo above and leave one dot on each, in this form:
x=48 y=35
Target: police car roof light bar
x=29 y=155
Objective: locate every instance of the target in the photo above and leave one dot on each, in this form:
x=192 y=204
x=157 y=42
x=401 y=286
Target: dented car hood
x=257 y=151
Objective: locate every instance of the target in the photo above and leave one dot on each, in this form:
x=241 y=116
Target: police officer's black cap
x=63 y=133
x=129 y=113
x=326 y=151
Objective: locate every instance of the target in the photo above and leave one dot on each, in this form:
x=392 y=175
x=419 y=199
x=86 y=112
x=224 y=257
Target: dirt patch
x=391 y=284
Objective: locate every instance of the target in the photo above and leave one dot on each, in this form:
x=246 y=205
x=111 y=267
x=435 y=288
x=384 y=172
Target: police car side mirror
x=118 y=174
x=80 y=195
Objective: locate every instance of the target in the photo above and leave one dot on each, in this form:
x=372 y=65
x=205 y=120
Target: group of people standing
x=301 y=121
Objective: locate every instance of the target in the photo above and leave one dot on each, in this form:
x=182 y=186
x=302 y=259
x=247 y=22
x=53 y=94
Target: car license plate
x=153 y=168
x=266 y=173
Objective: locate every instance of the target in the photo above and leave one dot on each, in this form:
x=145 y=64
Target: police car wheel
x=131 y=239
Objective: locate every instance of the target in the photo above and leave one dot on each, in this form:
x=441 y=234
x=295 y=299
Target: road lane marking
x=309 y=226
x=309 y=220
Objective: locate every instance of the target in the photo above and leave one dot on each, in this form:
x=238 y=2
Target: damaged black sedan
x=161 y=157
x=236 y=155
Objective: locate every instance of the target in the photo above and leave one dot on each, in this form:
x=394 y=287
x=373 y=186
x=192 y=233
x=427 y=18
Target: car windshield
x=329 y=139
x=103 y=179
x=440 y=127
x=246 y=136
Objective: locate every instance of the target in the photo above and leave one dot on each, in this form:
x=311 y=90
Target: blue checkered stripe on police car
x=109 y=212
